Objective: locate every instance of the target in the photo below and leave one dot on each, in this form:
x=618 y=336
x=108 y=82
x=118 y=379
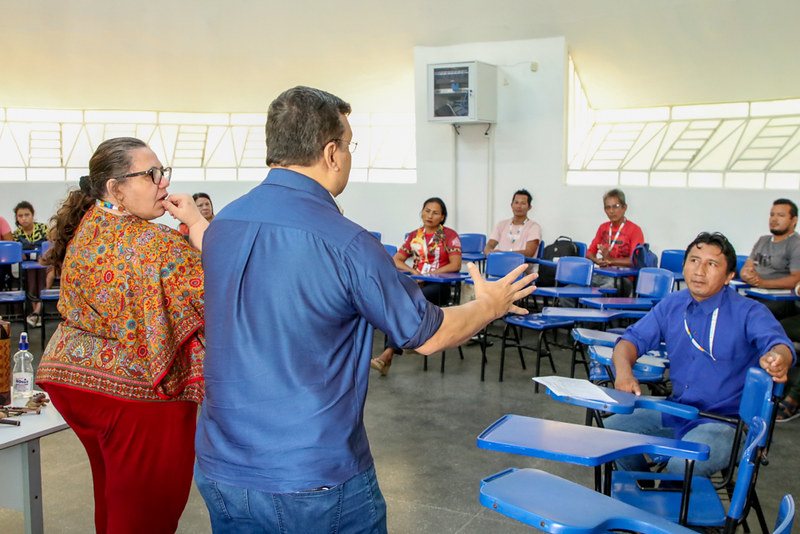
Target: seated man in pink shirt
x=615 y=240
x=519 y=233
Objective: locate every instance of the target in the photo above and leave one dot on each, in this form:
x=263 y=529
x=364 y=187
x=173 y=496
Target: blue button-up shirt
x=293 y=290
x=745 y=330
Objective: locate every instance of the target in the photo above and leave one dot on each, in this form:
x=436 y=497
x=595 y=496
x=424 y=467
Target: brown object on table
x=37 y=401
x=5 y=363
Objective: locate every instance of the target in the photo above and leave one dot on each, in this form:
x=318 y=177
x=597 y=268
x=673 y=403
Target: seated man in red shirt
x=614 y=242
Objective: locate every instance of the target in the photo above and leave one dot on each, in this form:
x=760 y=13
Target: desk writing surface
x=616 y=272
x=626 y=402
x=590 y=314
x=440 y=277
x=569 y=292
x=771 y=294
x=578 y=444
x=617 y=303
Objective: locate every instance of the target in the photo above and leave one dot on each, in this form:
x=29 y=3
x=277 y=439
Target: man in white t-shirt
x=519 y=233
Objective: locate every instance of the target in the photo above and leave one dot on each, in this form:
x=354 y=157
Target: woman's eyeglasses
x=155 y=174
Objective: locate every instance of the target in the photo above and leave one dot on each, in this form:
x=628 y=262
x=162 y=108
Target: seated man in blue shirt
x=713 y=336
x=293 y=291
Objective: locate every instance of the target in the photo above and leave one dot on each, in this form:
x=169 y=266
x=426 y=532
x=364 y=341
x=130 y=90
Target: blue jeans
x=718 y=436
x=356 y=506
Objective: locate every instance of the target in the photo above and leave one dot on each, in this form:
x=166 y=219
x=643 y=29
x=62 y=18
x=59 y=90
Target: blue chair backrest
x=541 y=248
x=10 y=252
x=755 y=437
x=502 y=263
x=472 y=243
x=740 y=261
x=654 y=282
x=581 y=248
x=574 y=270
x=783 y=525
x=391 y=249
x=757 y=395
x=376 y=234
x=672 y=260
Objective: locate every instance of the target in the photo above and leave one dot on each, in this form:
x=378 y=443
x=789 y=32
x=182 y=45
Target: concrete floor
x=422 y=428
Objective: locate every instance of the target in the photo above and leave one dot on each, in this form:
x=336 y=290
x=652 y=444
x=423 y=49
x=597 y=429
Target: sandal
x=787 y=411
x=379 y=365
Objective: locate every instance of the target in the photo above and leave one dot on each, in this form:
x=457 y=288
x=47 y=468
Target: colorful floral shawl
x=132 y=303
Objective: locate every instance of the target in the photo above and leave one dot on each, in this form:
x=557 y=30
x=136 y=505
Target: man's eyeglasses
x=155 y=174
x=351 y=145
x=612 y=206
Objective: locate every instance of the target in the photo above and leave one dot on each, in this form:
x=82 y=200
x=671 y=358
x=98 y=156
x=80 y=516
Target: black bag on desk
x=563 y=246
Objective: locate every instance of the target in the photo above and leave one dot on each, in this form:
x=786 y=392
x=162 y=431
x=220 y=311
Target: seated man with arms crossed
x=519 y=233
x=774 y=262
x=713 y=336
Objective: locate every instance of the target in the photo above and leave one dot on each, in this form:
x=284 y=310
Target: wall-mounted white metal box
x=462 y=92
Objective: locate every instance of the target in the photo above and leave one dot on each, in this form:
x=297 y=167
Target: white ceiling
x=213 y=55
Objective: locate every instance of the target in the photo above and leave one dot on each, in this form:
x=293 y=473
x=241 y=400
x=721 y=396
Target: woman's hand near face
x=182 y=207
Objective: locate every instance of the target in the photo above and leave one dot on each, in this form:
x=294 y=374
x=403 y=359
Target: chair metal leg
x=443 y=355
x=483 y=352
x=548 y=352
x=577 y=347
x=503 y=348
x=425 y=367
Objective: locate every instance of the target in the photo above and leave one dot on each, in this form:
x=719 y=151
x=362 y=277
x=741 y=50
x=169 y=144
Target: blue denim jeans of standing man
x=356 y=506
x=718 y=436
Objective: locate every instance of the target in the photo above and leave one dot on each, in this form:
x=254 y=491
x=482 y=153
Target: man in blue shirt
x=293 y=291
x=713 y=336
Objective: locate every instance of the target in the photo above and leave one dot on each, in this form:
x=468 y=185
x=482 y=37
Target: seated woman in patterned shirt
x=433 y=248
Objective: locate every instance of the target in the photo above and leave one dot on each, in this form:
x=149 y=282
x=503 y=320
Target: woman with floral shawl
x=124 y=369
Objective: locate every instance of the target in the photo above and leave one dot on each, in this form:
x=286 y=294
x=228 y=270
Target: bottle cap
x=23 y=341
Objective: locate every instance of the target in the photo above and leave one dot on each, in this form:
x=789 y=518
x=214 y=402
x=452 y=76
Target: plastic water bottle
x=23 y=369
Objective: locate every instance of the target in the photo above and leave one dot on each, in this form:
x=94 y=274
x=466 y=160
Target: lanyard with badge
x=511 y=235
x=612 y=242
x=711 y=332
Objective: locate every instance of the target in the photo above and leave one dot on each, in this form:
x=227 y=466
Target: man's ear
x=328 y=155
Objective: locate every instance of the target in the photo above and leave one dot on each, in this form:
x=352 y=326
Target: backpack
x=563 y=246
x=642 y=256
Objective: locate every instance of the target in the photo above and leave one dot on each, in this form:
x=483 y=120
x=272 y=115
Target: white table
x=20 y=466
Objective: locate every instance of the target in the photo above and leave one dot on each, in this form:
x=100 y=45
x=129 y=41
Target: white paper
x=574 y=387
